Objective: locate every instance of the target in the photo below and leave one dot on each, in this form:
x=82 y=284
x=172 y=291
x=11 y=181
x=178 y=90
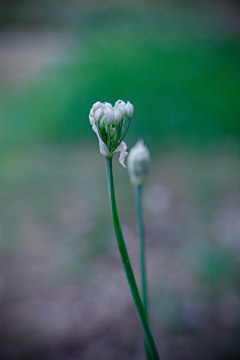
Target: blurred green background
x=63 y=293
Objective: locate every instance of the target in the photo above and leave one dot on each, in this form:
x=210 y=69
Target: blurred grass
x=182 y=76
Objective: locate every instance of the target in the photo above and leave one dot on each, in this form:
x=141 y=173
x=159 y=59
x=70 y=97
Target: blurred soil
x=24 y=53
x=63 y=289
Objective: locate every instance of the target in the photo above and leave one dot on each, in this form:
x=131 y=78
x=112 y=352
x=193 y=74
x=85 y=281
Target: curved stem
x=127 y=265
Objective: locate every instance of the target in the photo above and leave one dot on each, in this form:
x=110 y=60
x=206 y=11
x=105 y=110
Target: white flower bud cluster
x=111 y=121
x=138 y=163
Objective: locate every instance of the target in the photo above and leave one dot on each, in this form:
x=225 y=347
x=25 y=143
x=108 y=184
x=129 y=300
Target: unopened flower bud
x=96 y=106
x=108 y=123
x=129 y=109
x=107 y=105
x=119 y=103
x=103 y=121
x=107 y=110
x=138 y=163
x=109 y=118
x=99 y=114
x=121 y=109
x=117 y=117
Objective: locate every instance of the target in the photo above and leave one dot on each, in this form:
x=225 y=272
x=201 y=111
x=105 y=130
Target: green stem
x=109 y=136
x=137 y=190
x=126 y=127
x=127 y=265
x=138 y=201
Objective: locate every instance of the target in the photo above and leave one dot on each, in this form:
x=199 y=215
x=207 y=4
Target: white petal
x=123 y=153
x=91 y=119
x=102 y=147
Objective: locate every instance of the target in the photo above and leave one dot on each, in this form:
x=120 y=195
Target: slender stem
x=138 y=201
x=126 y=125
x=118 y=131
x=127 y=265
x=109 y=136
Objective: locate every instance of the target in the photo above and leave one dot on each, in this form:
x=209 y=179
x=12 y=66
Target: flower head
x=138 y=162
x=111 y=124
